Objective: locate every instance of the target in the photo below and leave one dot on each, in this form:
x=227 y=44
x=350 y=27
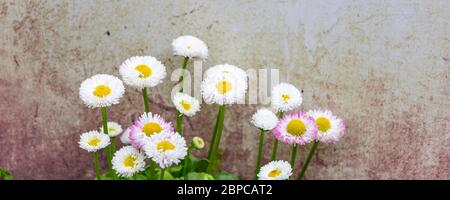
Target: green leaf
x=226 y=176
x=104 y=177
x=167 y=175
x=176 y=171
x=214 y=166
x=5 y=175
x=201 y=165
x=147 y=172
x=111 y=175
x=197 y=165
x=193 y=158
x=139 y=177
x=200 y=176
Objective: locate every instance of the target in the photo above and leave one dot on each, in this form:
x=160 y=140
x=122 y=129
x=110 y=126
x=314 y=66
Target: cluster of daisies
x=150 y=136
x=154 y=147
x=292 y=127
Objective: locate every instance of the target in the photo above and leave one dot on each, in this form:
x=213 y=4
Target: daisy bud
x=198 y=143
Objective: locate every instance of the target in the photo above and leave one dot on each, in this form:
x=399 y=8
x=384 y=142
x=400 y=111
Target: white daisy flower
x=264 y=119
x=114 y=129
x=166 y=149
x=186 y=104
x=330 y=128
x=147 y=125
x=224 y=87
x=92 y=141
x=226 y=69
x=142 y=71
x=128 y=161
x=275 y=170
x=190 y=46
x=125 y=137
x=285 y=97
x=101 y=90
x=296 y=128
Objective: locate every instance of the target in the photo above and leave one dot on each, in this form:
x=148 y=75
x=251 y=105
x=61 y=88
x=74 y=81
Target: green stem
x=275 y=142
x=105 y=130
x=179 y=123
x=213 y=139
x=162 y=174
x=308 y=159
x=293 y=155
x=258 y=161
x=96 y=166
x=152 y=170
x=180 y=81
x=186 y=163
x=147 y=110
x=185 y=62
x=113 y=145
x=215 y=149
x=109 y=157
x=145 y=96
x=274 y=150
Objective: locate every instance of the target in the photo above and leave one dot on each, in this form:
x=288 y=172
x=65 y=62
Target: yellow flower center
x=224 y=86
x=185 y=104
x=102 y=91
x=94 y=142
x=189 y=46
x=145 y=70
x=151 y=128
x=296 y=127
x=323 y=124
x=165 y=146
x=274 y=173
x=130 y=161
x=285 y=97
x=110 y=130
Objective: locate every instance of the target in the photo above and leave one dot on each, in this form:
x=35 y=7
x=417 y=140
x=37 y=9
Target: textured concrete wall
x=381 y=65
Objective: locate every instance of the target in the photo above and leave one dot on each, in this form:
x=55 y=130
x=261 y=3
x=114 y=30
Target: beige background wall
x=381 y=65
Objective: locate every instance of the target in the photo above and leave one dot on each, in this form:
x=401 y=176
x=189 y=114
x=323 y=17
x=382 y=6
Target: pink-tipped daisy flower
x=296 y=128
x=147 y=125
x=330 y=127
